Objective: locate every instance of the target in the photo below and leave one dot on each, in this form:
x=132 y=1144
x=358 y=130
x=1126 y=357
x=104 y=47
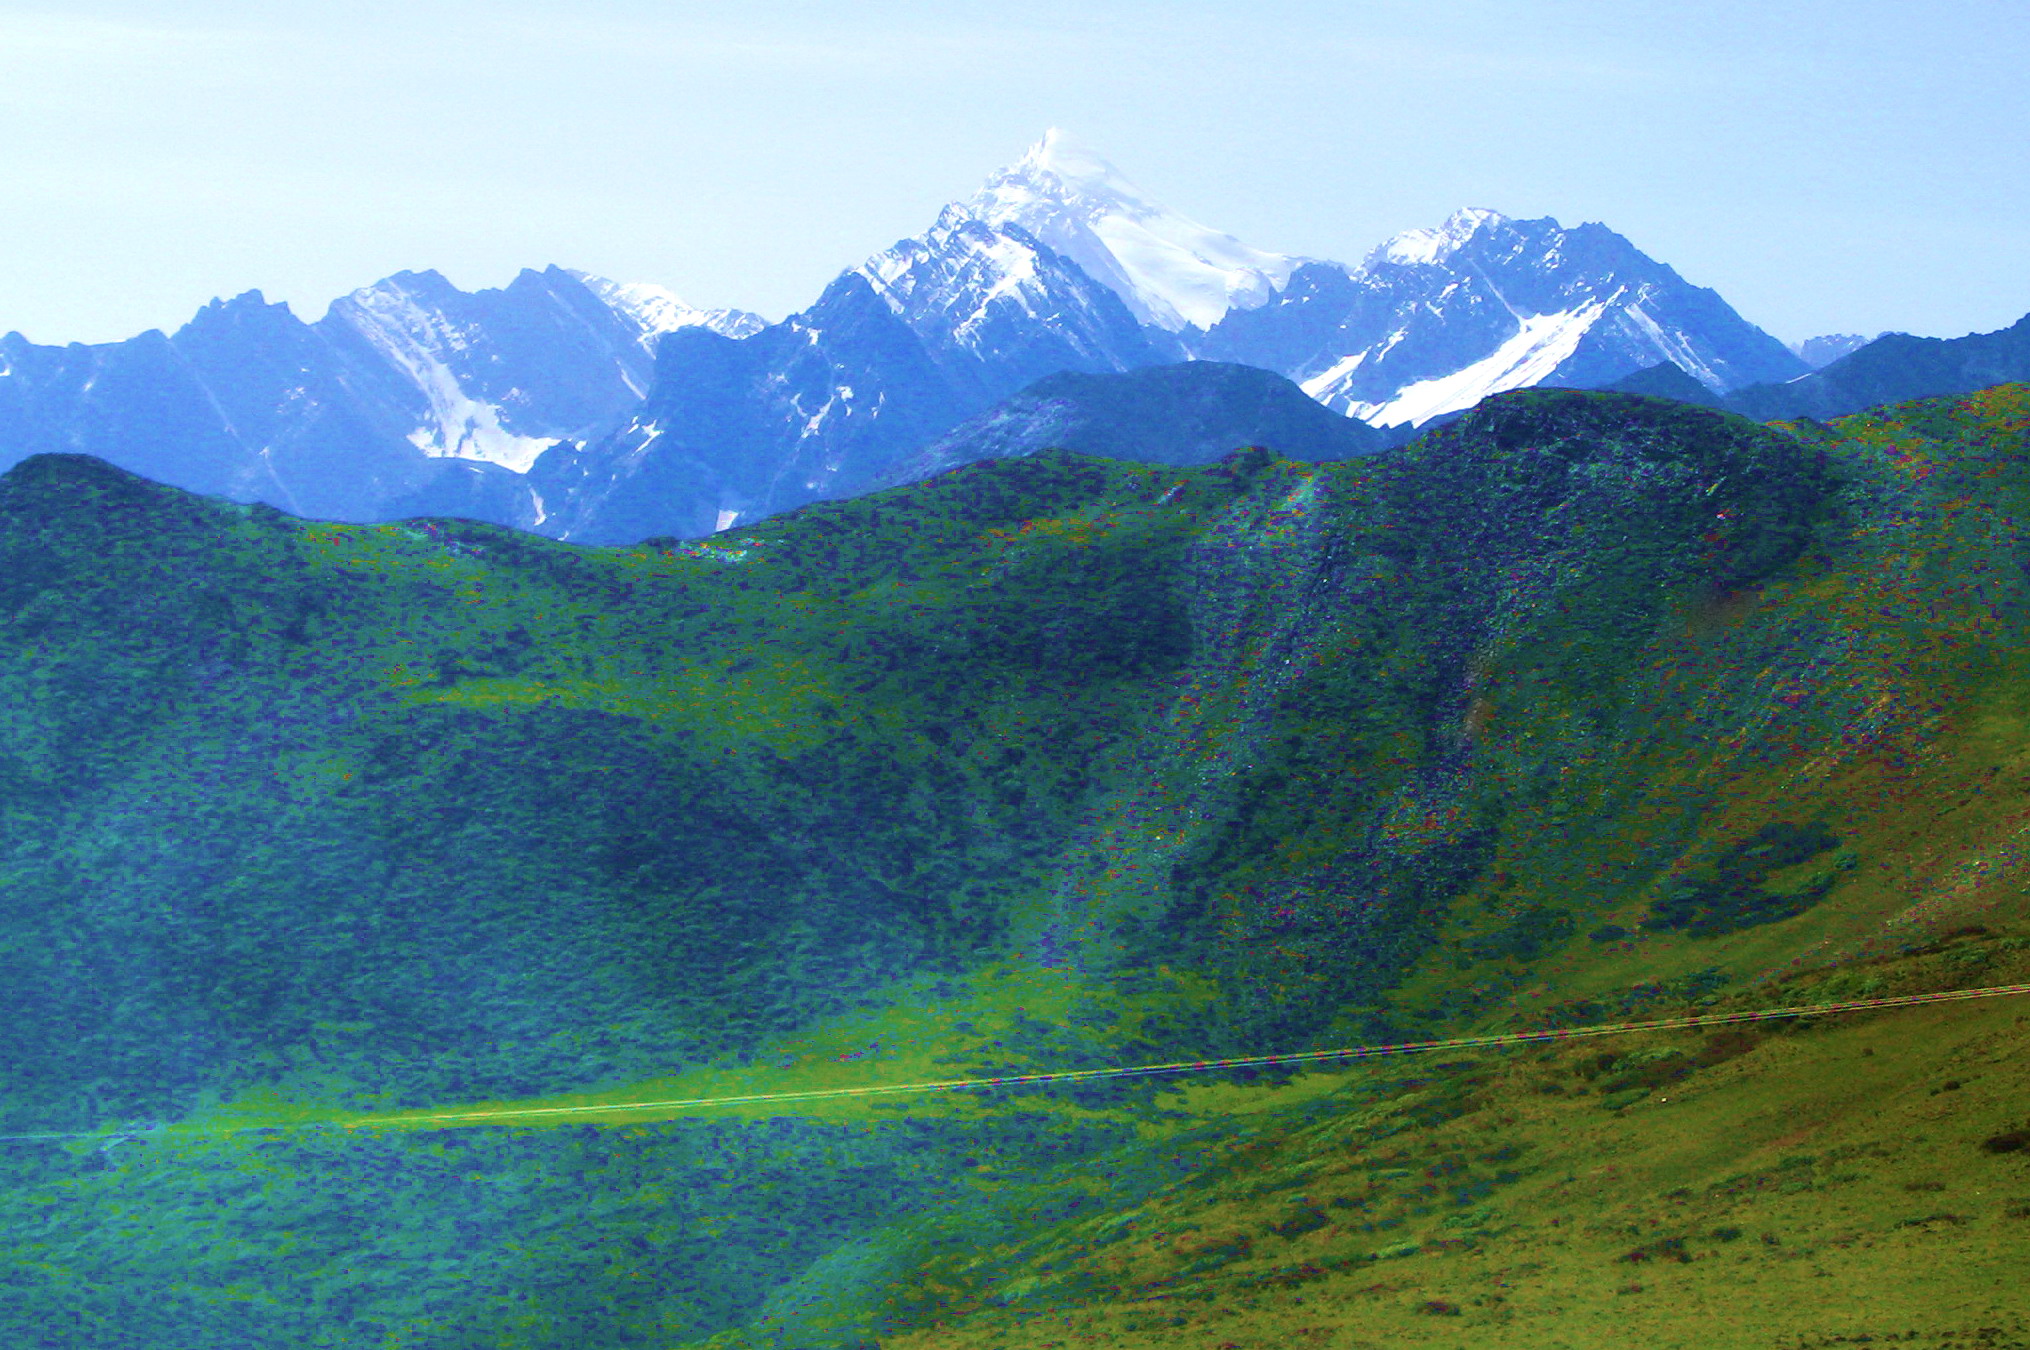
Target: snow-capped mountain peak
x=656 y=310
x=1075 y=165
x=1434 y=244
x=959 y=264
x=1170 y=271
x=1002 y=304
x=1434 y=320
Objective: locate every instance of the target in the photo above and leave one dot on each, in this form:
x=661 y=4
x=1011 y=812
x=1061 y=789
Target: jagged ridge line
x=1496 y=1040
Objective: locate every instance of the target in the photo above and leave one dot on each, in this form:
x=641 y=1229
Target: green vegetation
x=1588 y=706
x=1733 y=895
x=1793 y=1184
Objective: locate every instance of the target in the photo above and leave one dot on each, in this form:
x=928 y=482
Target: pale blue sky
x=1827 y=167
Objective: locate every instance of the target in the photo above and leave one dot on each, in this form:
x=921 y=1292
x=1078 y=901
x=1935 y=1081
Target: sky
x=1851 y=167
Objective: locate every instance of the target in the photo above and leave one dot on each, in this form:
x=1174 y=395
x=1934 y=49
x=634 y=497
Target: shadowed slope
x=1892 y=369
x=1188 y=414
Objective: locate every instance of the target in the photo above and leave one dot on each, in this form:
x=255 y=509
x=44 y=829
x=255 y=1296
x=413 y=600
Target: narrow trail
x=511 y=1114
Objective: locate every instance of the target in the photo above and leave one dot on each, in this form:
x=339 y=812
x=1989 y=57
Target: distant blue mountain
x=1189 y=414
x=825 y=403
x=1893 y=368
x=600 y=412
x=409 y=391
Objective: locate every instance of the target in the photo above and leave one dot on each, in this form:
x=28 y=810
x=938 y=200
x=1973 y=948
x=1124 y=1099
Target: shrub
x=1733 y=895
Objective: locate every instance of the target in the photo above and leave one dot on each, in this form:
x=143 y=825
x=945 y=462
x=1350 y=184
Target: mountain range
x=1435 y=320
x=409 y=389
x=1060 y=264
x=594 y=411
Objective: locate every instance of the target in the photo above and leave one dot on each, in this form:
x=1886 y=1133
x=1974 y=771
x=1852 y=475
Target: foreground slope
x=1864 y=1180
x=1586 y=706
x=1825 y=805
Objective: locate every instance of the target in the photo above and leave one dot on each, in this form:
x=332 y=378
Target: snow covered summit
x=1435 y=245
x=656 y=310
x=1436 y=319
x=997 y=308
x=1171 y=271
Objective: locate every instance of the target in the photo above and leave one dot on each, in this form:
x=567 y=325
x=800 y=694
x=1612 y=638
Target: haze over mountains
x=602 y=412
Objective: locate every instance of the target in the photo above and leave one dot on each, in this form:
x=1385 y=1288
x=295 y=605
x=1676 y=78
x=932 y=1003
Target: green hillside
x=1585 y=707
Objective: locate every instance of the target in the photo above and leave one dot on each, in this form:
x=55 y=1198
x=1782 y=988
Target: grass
x=1804 y=1184
x=985 y=1023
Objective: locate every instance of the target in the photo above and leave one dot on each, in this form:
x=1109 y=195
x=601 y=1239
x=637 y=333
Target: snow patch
x=415 y=339
x=1423 y=247
x=1318 y=384
x=1543 y=343
x=653 y=310
x=1169 y=270
x=1673 y=347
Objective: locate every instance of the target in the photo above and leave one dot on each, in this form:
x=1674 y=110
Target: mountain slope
x=358 y=649
x=1435 y=320
x=1190 y=413
x=1173 y=273
x=1855 y=1179
x=1892 y=369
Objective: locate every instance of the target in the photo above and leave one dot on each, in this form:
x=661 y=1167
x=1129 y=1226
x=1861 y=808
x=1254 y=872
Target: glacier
x=1171 y=271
